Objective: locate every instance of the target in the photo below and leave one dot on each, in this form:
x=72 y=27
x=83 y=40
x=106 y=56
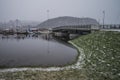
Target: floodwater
x=34 y=51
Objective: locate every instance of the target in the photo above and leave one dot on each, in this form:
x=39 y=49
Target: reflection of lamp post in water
x=48 y=29
x=48 y=42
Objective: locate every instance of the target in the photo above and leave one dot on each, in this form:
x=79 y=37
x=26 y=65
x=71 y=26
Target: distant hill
x=66 y=21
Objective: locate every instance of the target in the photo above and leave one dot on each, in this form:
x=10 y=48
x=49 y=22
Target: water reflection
x=23 y=36
x=34 y=50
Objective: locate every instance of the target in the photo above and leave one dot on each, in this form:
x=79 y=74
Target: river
x=34 y=50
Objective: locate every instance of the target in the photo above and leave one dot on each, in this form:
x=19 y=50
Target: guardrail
x=74 y=27
x=110 y=26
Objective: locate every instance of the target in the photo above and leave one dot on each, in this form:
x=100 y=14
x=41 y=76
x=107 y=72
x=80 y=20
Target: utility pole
x=103 y=18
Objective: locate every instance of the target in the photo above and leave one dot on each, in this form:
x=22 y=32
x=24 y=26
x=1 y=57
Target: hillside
x=63 y=21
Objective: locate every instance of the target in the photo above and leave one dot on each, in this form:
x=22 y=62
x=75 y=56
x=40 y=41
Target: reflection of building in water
x=25 y=36
x=47 y=36
x=15 y=36
x=21 y=36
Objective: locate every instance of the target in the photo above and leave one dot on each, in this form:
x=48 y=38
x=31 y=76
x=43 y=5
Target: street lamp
x=103 y=18
x=48 y=14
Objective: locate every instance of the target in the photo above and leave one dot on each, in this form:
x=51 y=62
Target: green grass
x=102 y=55
x=72 y=74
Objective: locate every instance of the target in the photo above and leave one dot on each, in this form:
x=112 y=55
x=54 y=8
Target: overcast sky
x=36 y=10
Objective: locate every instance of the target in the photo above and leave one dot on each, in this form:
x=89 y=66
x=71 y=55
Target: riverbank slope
x=102 y=55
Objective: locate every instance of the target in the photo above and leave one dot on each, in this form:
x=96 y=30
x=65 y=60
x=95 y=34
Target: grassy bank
x=102 y=55
x=101 y=52
x=72 y=74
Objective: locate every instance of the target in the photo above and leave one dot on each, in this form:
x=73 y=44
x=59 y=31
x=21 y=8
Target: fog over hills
x=50 y=23
x=21 y=23
x=66 y=21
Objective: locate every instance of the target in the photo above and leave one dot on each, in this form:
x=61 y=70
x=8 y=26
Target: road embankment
x=101 y=55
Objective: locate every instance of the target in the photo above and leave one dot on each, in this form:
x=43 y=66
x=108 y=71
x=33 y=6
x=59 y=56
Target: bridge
x=87 y=27
x=84 y=29
x=76 y=29
x=72 y=31
x=112 y=27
